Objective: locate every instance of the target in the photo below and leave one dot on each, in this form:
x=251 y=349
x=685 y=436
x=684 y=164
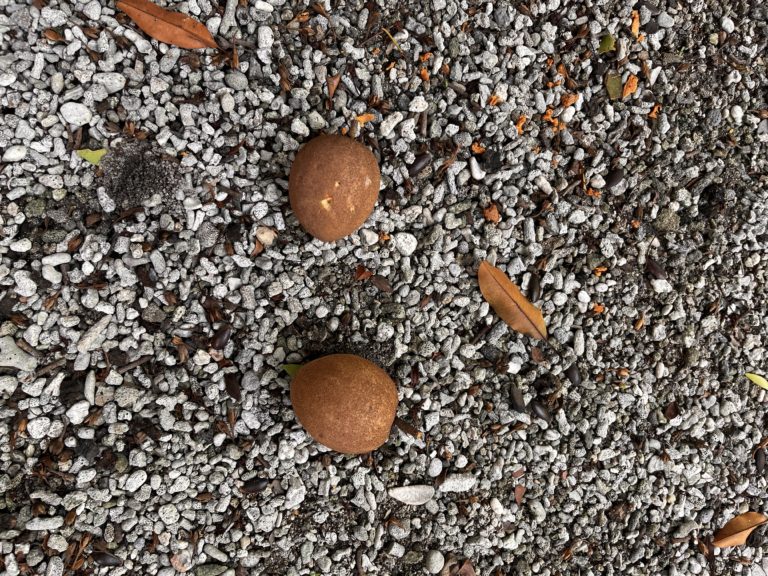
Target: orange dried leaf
x=166 y=26
x=477 y=148
x=519 y=493
x=363 y=118
x=491 y=213
x=509 y=303
x=598 y=308
x=593 y=193
x=424 y=74
x=569 y=100
x=493 y=100
x=520 y=123
x=630 y=87
x=635 y=23
x=738 y=529
x=641 y=38
x=426 y=56
x=600 y=270
x=653 y=114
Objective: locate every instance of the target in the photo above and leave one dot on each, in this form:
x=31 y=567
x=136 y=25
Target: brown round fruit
x=333 y=186
x=345 y=402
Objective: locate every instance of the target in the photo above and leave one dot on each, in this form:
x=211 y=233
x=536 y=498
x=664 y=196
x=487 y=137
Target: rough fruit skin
x=345 y=402
x=333 y=186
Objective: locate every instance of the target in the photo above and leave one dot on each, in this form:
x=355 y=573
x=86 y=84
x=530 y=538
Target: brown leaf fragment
x=333 y=83
x=381 y=283
x=232 y=385
x=362 y=273
x=738 y=529
x=166 y=26
x=630 y=87
x=53 y=35
x=519 y=493
x=760 y=461
x=655 y=269
x=491 y=213
x=569 y=100
x=509 y=303
x=466 y=569
x=671 y=411
x=635 y=23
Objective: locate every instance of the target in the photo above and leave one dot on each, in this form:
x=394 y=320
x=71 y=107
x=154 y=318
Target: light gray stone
x=413 y=495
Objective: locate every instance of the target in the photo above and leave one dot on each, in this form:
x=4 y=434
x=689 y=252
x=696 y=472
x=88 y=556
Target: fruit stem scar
x=326 y=203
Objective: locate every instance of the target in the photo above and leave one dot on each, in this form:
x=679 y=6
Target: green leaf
x=291 y=369
x=607 y=44
x=613 y=85
x=92 y=156
x=757 y=379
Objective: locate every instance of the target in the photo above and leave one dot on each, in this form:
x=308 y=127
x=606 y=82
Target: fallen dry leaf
x=653 y=114
x=635 y=23
x=477 y=148
x=491 y=213
x=520 y=123
x=630 y=87
x=509 y=303
x=569 y=100
x=363 y=118
x=519 y=493
x=738 y=529
x=333 y=83
x=424 y=74
x=493 y=100
x=166 y=26
x=466 y=569
x=362 y=273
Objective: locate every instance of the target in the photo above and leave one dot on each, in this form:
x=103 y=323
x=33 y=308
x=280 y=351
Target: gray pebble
x=78 y=412
x=405 y=243
x=11 y=356
x=388 y=125
x=169 y=514
x=15 y=153
x=75 y=113
x=40 y=523
x=434 y=561
x=135 y=481
x=111 y=81
x=458 y=483
x=265 y=37
x=413 y=495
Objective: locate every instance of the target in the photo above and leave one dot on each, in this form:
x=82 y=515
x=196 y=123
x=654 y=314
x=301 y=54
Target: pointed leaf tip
x=509 y=303
x=737 y=530
x=757 y=379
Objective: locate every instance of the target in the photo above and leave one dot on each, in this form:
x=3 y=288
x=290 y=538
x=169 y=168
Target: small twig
x=359 y=562
x=51 y=367
x=134 y=364
x=21 y=343
x=408 y=428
